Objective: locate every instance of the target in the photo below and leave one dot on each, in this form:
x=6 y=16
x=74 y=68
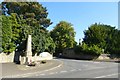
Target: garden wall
x=6 y=58
x=69 y=53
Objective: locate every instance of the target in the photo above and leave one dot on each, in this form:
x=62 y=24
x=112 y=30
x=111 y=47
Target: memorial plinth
x=29 y=50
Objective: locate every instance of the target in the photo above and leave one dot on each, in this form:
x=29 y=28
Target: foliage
x=1 y=34
x=43 y=62
x=63 y=35
x=7 y=45
x=93 y=49
x=31 y=11
x=42 y=41
x=27 y=18
x=113 y=42
x=89 y=50
x=16 y=28
x=78 y=49
x=103 y=36
x=97 y=34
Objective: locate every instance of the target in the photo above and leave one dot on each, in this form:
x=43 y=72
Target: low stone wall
x=11 y=57
x=6 y=58
x=104 y=57
x=80 y=56
x=69 y=53
x=35 y=58
x=38 y=58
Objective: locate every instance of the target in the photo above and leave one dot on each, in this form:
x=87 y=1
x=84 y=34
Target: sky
x=82 y=14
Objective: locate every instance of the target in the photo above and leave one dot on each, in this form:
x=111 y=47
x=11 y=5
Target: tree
x=29 y=18
x=16 y=28
x=41 y=41
x=31 y=11
x=113 y=42
x=7 y=45
x=0 y=34
x=104 y=36
x=63 y=35
x=97 y=34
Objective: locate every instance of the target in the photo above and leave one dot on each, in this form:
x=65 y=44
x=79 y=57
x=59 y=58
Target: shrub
x=77 y=49
x=93 y=49
x=43 y=62
x=32 y=64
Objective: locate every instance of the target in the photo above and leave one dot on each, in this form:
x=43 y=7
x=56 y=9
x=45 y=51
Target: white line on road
x=52 y=73
x=80 y=61
x=96 y=62
x=91 y=61
x=63 y=71
x=73 y=70
x=95 y=68
x=108 y=75
x=104 y=76
x=42 y=74
x=79 y=69
x=56 y=72
x=85 y=65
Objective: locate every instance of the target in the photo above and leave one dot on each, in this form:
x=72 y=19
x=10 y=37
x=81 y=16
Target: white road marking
x=96 y=62
x=37 y=75
x=52 y=73
x=73 y=70
x=42 y=74
x=85 y=65
x=79 y=69
x=63 y=71
x=56 y=72
x=90 y=61
x=79 y=61
x=108 y=75
x=28 y=74
x=92 y=68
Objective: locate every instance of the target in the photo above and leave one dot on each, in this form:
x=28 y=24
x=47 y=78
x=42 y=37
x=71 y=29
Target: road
x=81 y=69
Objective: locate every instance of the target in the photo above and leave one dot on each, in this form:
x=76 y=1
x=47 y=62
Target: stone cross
x=29 y=50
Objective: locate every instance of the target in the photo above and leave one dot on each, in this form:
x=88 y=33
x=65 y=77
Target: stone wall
x=69 y=53
x=36 y=58
x=16 y=57
x=104 y=57
x=6 y=58
x=39 y=58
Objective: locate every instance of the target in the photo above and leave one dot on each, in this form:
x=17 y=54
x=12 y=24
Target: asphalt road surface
x=81 y=69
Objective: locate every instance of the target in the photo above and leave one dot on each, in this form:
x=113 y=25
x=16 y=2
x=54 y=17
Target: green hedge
x=90 y=50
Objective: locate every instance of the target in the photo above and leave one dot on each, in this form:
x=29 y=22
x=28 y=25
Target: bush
x=32 y=64
x=93 y=49
x=77 y=49
x=89 y=50
x=43 y=62
x=115 y=51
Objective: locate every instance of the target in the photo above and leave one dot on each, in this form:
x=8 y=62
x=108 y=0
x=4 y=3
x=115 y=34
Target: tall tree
x=113 y=42
x=31 y=11
x=42 y=41
x=7 y=43
x=63 y=35
x=104 y=36
x=97 y=34
x=29 y=18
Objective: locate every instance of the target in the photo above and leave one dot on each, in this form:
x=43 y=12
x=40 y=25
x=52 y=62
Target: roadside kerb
x=32 y=73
